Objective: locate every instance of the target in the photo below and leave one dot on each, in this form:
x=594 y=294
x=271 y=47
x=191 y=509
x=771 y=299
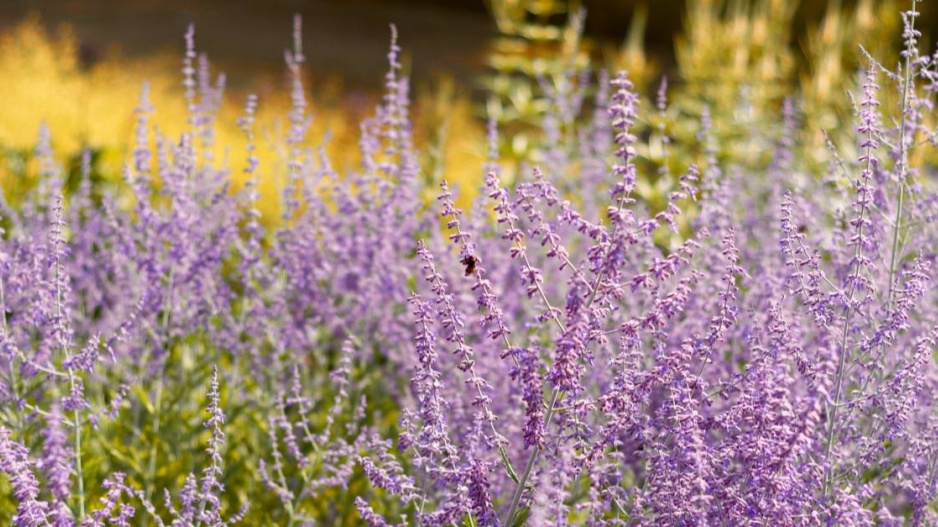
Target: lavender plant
x=760 y=347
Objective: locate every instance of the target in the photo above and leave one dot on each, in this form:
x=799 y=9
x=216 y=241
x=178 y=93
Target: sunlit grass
x=93 y=107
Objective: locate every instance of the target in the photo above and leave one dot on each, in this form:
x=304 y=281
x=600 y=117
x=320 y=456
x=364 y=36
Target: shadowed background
x=345 y=37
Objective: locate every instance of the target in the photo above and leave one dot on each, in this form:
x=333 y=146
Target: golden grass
x=43 y=81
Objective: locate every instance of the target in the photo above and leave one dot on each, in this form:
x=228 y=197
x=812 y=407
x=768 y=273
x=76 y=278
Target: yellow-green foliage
x=739 y=58
x=735 y=46
x=538 y=39
x=833 y=53
x=452 y=142
x=43 y=81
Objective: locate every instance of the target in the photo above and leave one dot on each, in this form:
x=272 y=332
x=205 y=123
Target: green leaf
x=507 y=464
x=520 y=517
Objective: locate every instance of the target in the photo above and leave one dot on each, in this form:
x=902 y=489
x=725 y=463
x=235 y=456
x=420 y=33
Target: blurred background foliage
x=737 y=58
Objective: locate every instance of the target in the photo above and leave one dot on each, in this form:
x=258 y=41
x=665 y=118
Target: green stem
x=529 y=466
x=14 y=370
x=893 y=261
x=903 y=160
x=532 y=458
x=78 y=466
x=294 y=506
x=79 y=474
x=151 y=464
x=283 y=484
x=158 y=399
x=833 y=417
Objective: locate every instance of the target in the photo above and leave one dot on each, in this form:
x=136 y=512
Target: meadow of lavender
x=759 y=348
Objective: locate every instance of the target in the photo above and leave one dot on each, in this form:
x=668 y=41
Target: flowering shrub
x=761 y=348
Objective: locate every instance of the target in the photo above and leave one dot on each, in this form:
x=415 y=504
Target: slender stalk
x=294 y=505
x=532 y=458
x=903 y=160
x=76 y=415
x=78 y=466
x=283 y=483
x=837 y=394
x=151 y=463
x=158 y=398
x=3 y=307
x=848 y=316
x=555 y=395
x=893 y=261
x=14 y=370
x=472 y=522
x=204 y=501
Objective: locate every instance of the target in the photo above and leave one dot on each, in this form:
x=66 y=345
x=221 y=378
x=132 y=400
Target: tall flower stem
x=848 y=310
x=625 y=154
x=76 y=413
x=555 y=395
x=897 y=229
x=14 y=371
x=903 y=152
x=532 y=459
x=158 y=398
